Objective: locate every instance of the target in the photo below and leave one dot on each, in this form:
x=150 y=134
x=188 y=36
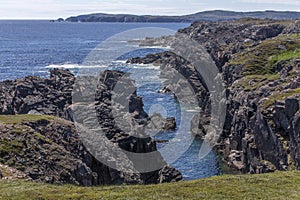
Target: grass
x=10 y=146
x=286 y=55
x=259 y=60
x=13 y=145
x=17 y=119
x=281 y=96
x=253 y=82
x=278 y=185
x=41 y=137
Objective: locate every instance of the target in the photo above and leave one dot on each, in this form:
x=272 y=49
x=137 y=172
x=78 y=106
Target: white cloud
x=282 y=2
x=14 y=9
x=51 y=9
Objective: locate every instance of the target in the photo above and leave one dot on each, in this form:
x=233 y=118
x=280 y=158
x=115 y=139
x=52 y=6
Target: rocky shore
x=36 y=140
x=259 y=62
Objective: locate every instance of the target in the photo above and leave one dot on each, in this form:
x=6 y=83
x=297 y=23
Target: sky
x=53 y=9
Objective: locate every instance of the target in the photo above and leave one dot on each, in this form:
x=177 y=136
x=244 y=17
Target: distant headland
x=213 y=15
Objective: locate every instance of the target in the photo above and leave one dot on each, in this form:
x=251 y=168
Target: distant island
x=214 y=15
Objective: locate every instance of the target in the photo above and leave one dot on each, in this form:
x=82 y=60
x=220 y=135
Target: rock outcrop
x=54 y=150
x=35 y=95
x=50 y=150
x=259 y=63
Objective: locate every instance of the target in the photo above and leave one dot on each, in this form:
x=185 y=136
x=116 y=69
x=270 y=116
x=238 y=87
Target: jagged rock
x=292 y=28
x=268 y=144
x=157 y=123
x=55 y=150
x=85 y=176
x=33 y=94
x=268 y=31
x=235 y=158
x=291 y=107
x=169 y=174
x=121 y=116
x=164 y=90
x=280 y=118
x=284 y=111
x=294 y=144
x=170 y=124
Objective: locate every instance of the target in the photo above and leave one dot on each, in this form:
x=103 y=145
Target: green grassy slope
x=278 y=185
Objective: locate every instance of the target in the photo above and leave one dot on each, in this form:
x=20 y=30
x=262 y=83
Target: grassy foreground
x=278 y=185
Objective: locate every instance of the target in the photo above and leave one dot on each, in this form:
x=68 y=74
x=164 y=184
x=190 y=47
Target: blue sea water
x=32 y=47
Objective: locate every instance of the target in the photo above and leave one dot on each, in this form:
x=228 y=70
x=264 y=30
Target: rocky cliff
x=259 y=61
x=51 y=149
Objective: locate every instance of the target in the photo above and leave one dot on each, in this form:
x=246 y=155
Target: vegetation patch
x=17 y=119
x=8 y=146
x=281 y=96
x=41 y=138
x=286 y=55
x=260 y=59
x=278 y=185
x=253 y=82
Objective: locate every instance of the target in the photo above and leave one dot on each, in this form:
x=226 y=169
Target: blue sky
x=52 y=9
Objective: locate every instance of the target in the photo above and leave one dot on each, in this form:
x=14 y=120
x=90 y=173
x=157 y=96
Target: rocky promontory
x=259 y=62
x=37 y=141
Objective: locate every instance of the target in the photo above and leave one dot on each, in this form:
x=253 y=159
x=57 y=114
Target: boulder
x=169 y=174
x=170 y=124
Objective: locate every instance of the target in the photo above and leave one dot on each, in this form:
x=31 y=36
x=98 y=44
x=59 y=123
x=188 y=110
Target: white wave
x=160 y=99
x=148 y=66
x=193 y=111
x=120 y=61
x=74 y=66
x=157 y=47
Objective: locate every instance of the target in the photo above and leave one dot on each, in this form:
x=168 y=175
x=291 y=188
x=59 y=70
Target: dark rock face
x=55 y=151
x=268 y=144
x=128 y=138
x=258 y=136
x=167 y=175
x=295 y=139
x=33 y=94
x=51 y=152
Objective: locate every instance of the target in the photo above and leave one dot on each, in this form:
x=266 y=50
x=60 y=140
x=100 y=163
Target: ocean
x=33 y=47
